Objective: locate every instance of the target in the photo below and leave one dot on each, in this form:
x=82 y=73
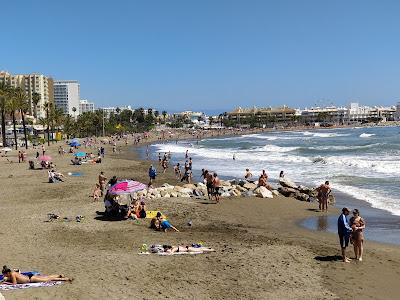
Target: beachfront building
x=262 y=116
x=397 y=113
x=192 y=116
x=115 y=110
x=31 y=84
x=85 y=106
x=67 y=96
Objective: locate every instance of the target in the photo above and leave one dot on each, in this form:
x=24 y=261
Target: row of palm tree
x=15 y=100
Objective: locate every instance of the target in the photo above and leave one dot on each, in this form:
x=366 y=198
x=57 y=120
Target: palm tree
x=56 y=118
x=4 y=89
x=48 y=106
x=22 y=100
x=74 y=110
x=12 y=106
x=35 y=101
x=164 y=113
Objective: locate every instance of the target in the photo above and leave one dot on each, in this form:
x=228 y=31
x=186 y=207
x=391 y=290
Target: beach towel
x=75 y=174
x=150 y=214
x=199 y=250
x=5 y=287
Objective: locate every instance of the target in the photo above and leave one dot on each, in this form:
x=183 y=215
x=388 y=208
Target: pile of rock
x=289 y=188
x=232 y=188
x=229 y=188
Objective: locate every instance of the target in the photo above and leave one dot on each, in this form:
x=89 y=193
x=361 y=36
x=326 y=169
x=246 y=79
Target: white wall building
x=85 y=106
x=67 y=96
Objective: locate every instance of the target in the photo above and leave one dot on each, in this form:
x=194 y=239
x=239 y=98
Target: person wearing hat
x=344 y=232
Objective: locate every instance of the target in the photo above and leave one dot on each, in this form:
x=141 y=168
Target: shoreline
x=261 y=252
x=380 y=219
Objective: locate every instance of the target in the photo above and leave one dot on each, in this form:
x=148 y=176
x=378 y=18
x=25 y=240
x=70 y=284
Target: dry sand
x=261 y=252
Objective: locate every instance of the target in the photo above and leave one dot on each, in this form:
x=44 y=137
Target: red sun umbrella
x=44 y=158
x=126 y=187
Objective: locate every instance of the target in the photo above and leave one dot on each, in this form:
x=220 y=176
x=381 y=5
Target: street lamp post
x=103 y=124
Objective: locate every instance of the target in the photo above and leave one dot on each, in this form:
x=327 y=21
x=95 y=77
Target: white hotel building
x=85 y=106
x=67 y=96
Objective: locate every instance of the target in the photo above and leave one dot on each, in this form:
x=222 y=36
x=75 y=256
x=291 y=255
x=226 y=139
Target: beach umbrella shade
x=74 y=144
x=80 y=154
x=44 y=158
x=126 y=187
x=6 y=149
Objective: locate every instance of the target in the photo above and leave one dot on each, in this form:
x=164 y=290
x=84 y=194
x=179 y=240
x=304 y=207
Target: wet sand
x=261 y=253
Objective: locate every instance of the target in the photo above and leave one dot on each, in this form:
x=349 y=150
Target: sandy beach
x=261 y=252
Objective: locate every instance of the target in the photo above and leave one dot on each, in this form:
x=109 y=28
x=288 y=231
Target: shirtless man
x=102 y=182
x=323 y=194
x=209 y=183
x=216 y=185
x=13 y=278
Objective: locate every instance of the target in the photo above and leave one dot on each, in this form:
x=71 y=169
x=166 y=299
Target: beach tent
x=74 y=144
x=126 y=187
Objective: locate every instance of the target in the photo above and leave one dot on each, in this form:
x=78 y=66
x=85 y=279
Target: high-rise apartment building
x=67 y=96
x=32 y=83
x=86 y=106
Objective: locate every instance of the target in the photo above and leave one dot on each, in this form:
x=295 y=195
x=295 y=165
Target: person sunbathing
x=12 y=277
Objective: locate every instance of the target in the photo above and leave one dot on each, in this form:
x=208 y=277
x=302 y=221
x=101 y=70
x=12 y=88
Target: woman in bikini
x=357 y=236
x=13 y=277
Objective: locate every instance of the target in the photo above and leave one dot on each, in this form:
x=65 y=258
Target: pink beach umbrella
x=44 y=158
x=126 y=187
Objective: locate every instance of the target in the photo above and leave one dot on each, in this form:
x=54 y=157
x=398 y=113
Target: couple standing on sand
x=351 y=232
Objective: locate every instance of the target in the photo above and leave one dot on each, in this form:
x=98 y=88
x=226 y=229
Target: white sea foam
x=366 y=135
x=377 y=199
x=349 y=147
x=324 y=134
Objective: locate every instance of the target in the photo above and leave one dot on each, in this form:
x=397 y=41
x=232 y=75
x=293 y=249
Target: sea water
x=362 y=164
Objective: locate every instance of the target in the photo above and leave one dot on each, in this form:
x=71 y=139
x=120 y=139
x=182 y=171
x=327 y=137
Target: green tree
x=12 y=106
x=164 y=114
x=35 y=101
x=22 y=100
x=4 y=93
x=48 y=106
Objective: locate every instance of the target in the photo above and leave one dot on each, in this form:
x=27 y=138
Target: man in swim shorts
x=344 y=231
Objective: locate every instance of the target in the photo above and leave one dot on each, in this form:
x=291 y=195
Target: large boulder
x=186 y=191
x=288 y=192
x=225 y=183
x=189 y=186
x=263 y=192
x=250 y=186
x=200 y=184
x=286 y=182
x=248 y=194
x=302 y=197
x=167 y=185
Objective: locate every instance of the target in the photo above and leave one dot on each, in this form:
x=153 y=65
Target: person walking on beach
x=324 y=191
x=357 y=237
x=344 y=232
x=177 y=171
x=216 y=186
x=102 y=182
x=152 y=175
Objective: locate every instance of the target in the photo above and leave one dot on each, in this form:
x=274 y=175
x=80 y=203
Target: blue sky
x=210 y=55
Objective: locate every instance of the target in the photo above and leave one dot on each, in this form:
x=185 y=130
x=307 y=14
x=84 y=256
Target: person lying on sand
x=13 y=277
x=178 y=249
